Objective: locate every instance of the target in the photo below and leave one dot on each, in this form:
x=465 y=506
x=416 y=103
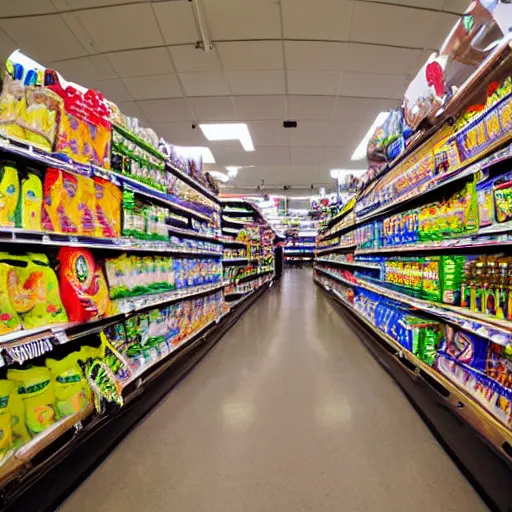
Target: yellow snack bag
x=71 y=391
x=6 y=440
x=36 y=390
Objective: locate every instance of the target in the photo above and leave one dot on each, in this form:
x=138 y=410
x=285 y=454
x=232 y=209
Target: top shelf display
x=456 y=112
x=49 y=120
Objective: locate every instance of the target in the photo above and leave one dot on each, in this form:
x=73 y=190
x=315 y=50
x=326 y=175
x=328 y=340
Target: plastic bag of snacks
x=72 y=392
x=35 y=387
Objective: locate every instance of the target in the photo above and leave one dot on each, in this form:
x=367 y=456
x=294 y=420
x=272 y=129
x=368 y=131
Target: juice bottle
x=502 y=291
x=476 y=289
x=489 y=296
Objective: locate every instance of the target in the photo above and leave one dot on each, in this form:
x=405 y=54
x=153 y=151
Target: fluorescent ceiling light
x=196 y=152
x=220 y=176
x=229 y=131
x=339 y=173
x=232 y=170
x=360 y=152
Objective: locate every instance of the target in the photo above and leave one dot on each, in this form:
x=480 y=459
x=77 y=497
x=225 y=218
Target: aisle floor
x=289 y=412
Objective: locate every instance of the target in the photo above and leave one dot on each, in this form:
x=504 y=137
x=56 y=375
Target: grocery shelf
x=126 y=244
x=336 y=277
x=23 y=345
x=460 y=402
x=478 y=240
x=471 y=321
x=23 y=150
x=356 y=264
x=145 y=368
x=194 y=234
x=133 y=304
x=193 y=183
x=20 y=459
x=235 y=261
x=348 y=247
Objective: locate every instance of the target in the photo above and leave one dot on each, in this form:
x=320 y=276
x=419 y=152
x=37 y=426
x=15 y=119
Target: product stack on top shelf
x=249 y=261
x=421 y=255
x=112 y=260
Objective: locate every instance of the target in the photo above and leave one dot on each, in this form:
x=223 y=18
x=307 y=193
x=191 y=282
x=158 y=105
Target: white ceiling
x=331 y=65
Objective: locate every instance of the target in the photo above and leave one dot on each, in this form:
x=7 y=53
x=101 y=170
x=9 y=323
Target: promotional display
x=112 y=263
x=420 y=256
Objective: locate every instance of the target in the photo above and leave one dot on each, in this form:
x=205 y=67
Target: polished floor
x=289 y=412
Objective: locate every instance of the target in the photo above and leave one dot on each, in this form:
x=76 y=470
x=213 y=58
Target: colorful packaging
x=83 y=286
x=108 y=208
x=36 y=389
x=9 y=194
x=31 y=202
x=72 y=393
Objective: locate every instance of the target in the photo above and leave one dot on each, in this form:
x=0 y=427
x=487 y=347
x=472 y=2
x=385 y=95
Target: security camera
x=194 y=126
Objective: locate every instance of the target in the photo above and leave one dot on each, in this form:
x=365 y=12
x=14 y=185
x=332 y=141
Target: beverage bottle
x=502 y=291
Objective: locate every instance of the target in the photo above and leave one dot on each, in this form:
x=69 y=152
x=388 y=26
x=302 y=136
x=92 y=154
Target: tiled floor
x=289 y=412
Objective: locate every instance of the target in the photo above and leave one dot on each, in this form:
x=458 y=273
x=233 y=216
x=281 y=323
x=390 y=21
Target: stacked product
x=429 y=229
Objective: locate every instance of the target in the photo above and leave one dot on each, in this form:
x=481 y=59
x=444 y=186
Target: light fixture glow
x=196 y=152
x=229 y=131
x=340 y=173
x=220 y=176
x=232 y=170
x=360 y=152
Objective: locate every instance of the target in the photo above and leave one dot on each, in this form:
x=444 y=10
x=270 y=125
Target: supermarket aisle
x=289 y=412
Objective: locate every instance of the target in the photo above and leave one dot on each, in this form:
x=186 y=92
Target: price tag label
x=61 y=337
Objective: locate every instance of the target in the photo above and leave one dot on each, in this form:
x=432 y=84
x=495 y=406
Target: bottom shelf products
x=232 y=291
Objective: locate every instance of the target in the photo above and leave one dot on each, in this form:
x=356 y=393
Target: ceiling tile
x=440 y=30
x=346 y=134
x=458 y=6
x=232 y=155
x=311 y=107
x=113 y=90
x=152 y=61
x=204 y=84
x=278 y=155
x=26 y=7
x=431 y=4
x=166 y=110
x=403 y=26
x=78 y=4
x=379 y=59
x=80 y=70
x=256 y=82
x=7 y=46
x=176 y=20
x=220 y=108
x=104 y=66
x=260 y=107
x=306 y=156
x=324 y=83
x=251 y=55
x=180 y=134
x=361 y=109
x=268 y=133
x=309 y=133
x=373 y=86
x=58 y=41
x=337 y=157
x=243 y=19
x=132 y=109
x=321 y=19
x=313 y=55
x=189 y=59
x=136 y=27
x=153 y=87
